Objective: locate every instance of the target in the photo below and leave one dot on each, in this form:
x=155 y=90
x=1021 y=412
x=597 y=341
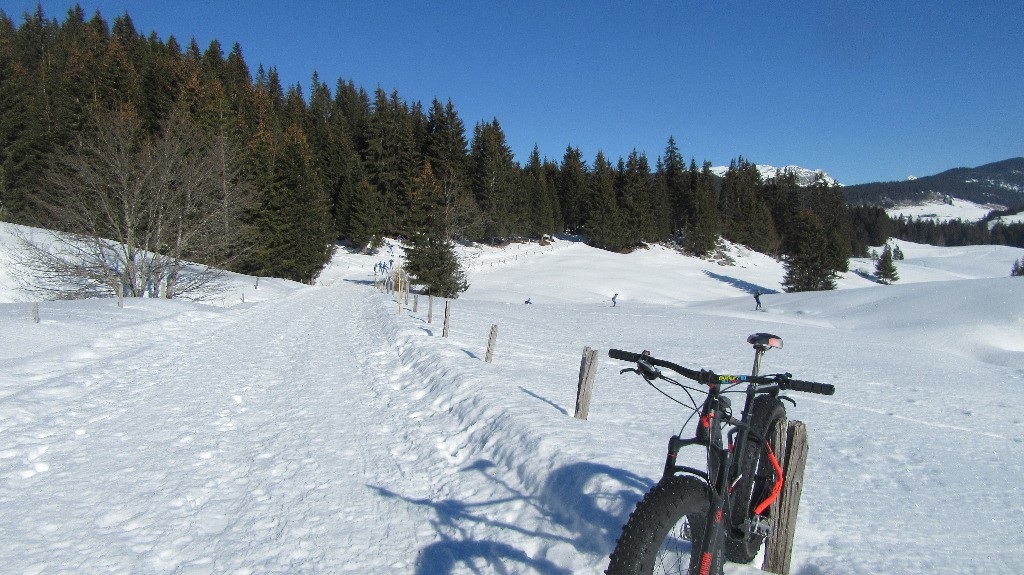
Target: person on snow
x=757 y=300
x=614 y=297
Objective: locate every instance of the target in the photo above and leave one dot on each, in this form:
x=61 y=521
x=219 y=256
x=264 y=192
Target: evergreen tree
x=294 y=232
x=493 y=175
x=1018 y=268
x=829 y=204
x=885 y=270
x=701 y=234
x=634 y=196
x=431 y=257
x=807 y=267
x=364 y=220
x=448 y=155
x=603 y=228
x=745 y=218
x=391 y=159
x=675 y=179
x=572 y=185
x=540 y=197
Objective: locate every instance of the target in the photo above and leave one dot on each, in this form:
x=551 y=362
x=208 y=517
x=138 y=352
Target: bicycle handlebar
x=808 y=386
x=783 y=381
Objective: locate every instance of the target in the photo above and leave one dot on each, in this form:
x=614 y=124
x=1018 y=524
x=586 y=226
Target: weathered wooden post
x=490 y=343
x=778 y=551
x=415 y=302
x=35 y=312
x=447 y=316
x=430 y=308
x=588 y=370
x=398 y=278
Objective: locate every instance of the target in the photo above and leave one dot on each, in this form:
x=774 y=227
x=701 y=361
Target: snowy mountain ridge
x=804 y=176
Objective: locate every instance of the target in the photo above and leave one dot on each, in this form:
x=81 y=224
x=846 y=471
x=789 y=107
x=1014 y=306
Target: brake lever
x=648 y=371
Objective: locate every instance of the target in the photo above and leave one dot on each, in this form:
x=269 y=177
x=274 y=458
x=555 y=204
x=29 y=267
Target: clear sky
x=866 y=90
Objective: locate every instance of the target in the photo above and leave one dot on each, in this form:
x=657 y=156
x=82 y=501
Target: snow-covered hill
x=331 y=429
x=954 y=209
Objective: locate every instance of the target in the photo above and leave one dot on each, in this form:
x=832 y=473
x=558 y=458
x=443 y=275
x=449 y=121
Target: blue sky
x=866 y=90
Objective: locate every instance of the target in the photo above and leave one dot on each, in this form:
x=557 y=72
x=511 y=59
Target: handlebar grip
x=809 y=387
x=624 y=355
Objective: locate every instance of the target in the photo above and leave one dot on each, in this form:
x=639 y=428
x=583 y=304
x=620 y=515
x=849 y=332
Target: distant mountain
x=998 y=183
x=804 y=176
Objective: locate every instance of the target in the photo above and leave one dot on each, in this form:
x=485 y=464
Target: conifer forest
x=264 y=179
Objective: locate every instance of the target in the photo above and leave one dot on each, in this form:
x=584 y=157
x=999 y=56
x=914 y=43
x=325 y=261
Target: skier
x=757 y=299
x=527 y=302
x=614 y=297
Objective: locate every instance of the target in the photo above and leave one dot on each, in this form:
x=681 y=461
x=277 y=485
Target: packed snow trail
x=279 y=440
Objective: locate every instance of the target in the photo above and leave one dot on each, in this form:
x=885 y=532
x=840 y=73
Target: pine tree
x=885 y=270
x=807 y=267
x=677 y=187
x=701 y=234
x=431 y=258
x=745 y=218
x=493 y=175
x=634 y=193
x=391 y=159
x=1018 y=268
x=829 y=204
x=603 y=228
x=540 y=197
x=572 y=185
x=448 y=155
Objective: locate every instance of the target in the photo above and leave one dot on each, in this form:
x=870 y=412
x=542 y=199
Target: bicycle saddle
x=764 y=340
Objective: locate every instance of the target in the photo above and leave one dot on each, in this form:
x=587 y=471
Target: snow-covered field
x=315 y=429
x=940 y=212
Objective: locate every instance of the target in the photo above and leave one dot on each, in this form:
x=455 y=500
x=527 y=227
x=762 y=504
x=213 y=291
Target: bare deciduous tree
x=139 y=215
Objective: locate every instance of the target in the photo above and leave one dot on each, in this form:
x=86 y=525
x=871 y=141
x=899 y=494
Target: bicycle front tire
x=665 y=531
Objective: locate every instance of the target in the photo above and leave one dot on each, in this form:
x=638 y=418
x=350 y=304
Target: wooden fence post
x=35 y=312
x=588 y=370
x=398 y=280
x=490 y=343
x=430 y=308
x=778 y=551
x=447 y=316
x=415 y=302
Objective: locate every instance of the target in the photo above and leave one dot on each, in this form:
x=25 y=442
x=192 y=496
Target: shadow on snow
x=738 y=283
x=585 y=504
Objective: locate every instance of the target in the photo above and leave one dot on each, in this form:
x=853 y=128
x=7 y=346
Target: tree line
x=872 y=226
x=264 y=179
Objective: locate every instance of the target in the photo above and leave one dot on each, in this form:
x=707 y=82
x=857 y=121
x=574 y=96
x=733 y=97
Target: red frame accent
x=778 y=482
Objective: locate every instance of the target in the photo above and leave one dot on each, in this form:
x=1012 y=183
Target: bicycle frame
x=720 y=460
x=734 y=448
x=721 y=456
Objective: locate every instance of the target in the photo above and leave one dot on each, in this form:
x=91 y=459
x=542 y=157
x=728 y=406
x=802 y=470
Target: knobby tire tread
x=665 y=505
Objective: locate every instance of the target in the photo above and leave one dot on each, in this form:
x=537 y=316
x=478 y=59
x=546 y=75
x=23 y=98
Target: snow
x=957 y=209
x=315 y=429
x=804 y=176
